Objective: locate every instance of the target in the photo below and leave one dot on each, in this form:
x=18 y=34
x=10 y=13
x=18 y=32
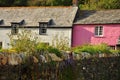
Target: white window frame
x=99 y=31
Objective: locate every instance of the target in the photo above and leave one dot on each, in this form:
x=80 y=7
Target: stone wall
x=105 y=68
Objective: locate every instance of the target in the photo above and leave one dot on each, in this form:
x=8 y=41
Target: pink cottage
x=97 y=27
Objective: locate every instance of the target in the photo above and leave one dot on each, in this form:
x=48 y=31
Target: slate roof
x=61 y=16
x=98 y=17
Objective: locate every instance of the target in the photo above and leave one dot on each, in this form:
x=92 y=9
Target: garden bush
x=54 y=50
x=115 y=51
x=1 y=50
x=41 y=47
x=103 y=48
x=23 y=42
x=4 y=50
x=92 y=49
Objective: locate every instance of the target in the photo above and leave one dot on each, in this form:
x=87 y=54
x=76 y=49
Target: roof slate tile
x=98 y=17
x=62 y=16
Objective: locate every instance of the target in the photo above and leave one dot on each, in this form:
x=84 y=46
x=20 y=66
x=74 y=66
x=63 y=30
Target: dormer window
x=14 y=29
x=43 y=28
x=1 y=21
x=15 y=26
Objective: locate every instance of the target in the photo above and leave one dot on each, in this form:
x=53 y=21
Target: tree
x=100 y=4
x=50 y=2
x=84 y=4
x=20 y=3
x=63 y=2
x=6 y=2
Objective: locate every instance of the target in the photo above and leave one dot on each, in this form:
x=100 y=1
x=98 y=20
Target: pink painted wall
x=83 y=34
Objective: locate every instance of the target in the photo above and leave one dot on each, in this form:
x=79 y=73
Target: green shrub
x=24 y=41
x=54 y=50
x=115 y=51
x=77 y=49
x=4 y=50
x=85 y=48
x=103 y=48
x=88 y=48
x=0 y=50
x=41 y=47
x=92 y=49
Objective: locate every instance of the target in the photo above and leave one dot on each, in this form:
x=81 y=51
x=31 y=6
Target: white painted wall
x=4 y=37
x=51 y=32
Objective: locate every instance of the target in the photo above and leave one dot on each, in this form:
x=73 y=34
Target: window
x=0 y=45
x=14 y=29
x=99 y=31
x=43 y=28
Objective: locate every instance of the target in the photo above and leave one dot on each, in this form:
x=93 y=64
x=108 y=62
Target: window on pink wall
x=98 y=31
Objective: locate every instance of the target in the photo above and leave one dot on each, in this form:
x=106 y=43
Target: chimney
x=75 y=2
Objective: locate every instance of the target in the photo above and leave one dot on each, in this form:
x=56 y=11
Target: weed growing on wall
x=55 y=51
x=61 y=42
x=24 y=41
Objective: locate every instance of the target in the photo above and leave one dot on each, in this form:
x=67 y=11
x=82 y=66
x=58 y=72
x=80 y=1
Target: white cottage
x=46 y=22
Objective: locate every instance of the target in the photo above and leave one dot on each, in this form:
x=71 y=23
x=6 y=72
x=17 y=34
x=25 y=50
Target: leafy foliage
x=20 y=3
x=27 y=42
x=6 y=2
x=115 y=51
x=84 y=4
x=41 y=47
x=100 y=4
x=23 y=42
x=92 y=49
x=54 y=50
x=35 y=2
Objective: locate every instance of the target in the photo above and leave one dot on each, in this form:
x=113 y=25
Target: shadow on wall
x=81 y=36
